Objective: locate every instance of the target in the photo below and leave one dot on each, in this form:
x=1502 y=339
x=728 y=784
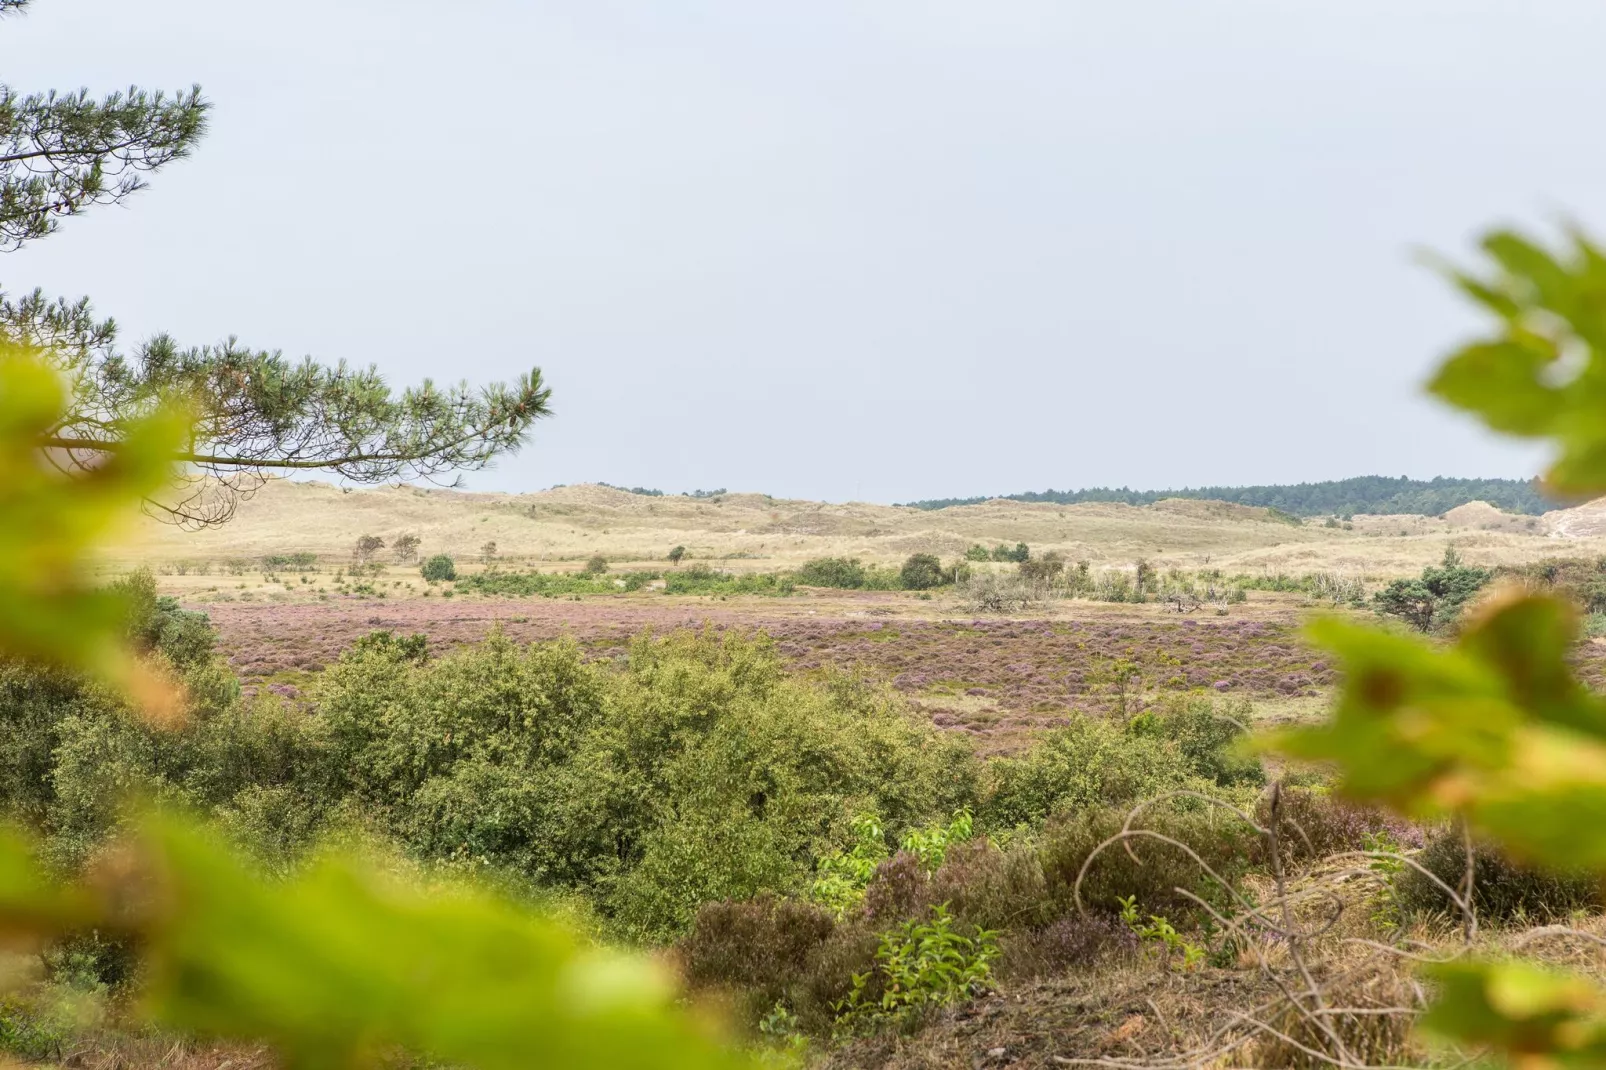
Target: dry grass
x=570 y=524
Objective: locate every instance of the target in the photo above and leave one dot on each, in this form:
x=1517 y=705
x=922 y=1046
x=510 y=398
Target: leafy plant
x=921 y=572
x=1435 y=600
x=439 y=568
x=1157 y=930
x=597 y=565
x=841 y=877
x=1495 y=731
x=675 y=554
x=924 y=964
x=840 y=572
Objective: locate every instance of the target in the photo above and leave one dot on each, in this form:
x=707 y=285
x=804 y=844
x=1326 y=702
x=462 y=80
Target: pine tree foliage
x=257 y=412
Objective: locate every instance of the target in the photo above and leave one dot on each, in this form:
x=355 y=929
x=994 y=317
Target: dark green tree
x=257 y=412
x=921 y=572
x=676 y=554
x=1433 y=600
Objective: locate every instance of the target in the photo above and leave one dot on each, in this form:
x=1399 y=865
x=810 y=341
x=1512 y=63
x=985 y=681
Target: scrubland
x=875 y=827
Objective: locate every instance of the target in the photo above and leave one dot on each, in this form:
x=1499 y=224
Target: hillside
x=755 y=531
x=1375 y=495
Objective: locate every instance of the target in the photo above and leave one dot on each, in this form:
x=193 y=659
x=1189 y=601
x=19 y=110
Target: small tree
x=405 y=548
x=1433 y=600
x=1144 y=579
x=367 y=547
x=438 y=568
x=597 y=565
x=977 y=552
x=676 y=554
x=1043 y=570
x=921 y=572
x=488 y=553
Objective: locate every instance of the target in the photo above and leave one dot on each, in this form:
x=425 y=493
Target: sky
x=874 y=251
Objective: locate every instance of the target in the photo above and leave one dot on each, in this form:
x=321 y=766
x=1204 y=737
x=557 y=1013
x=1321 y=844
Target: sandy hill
x=569 y=524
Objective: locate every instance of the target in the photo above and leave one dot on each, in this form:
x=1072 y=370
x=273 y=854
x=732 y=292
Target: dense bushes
x=439 y=568
x=1503 y=890
x=921 y=572
x=1088 y=763
x=843 y=572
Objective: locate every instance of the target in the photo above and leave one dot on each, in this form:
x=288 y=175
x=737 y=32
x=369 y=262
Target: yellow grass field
x=565 y=526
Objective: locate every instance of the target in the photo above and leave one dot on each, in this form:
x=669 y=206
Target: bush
x=1503 y=891
x=1211 y=739
x=840 y=572
x=438 y=568
x=1075 y=941
x=988 y=592
x=978 y=552
x=1087 y=764
x=759 y=949
x=921 y=572
x=675 y=554
x=597 y=565
x=1316 y=824
x=1434 y=600
x=1154 y=870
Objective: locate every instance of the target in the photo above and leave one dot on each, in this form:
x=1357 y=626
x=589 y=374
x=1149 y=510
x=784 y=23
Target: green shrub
x=1503 y=891
x=702 y=580
x=841 y=572
x=1086 y=764
x=978 y=552
x=921 y=572
x=921 y=965
x=439 y=567
x=675 y=554
x=597 y=565
x=1212 y=739
x=1154 y=870
x=1434 y=600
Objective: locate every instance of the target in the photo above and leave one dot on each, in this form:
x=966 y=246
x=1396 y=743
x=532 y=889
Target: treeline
x=1336 y=497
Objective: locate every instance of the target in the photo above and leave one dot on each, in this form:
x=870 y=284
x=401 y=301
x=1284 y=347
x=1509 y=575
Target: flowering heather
x=991 y=677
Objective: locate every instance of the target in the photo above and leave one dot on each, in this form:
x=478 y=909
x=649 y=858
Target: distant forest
x=1339 y=497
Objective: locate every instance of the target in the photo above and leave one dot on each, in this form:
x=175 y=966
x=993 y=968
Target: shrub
x=1316 y=824
x=1503 y=890
x=920 y=965
x=1088 y=763
x=1210 y=738
x=1043 y=570
x=1434 y=600
x=1072 y=942
x=1018 y=553
x=921 y=572
x=758 y=948
x=988 y=592
x=438 y=568
x=840 y=572
x=1154 y=870
x=675 y=554
x=597 y=565
x=978 y=552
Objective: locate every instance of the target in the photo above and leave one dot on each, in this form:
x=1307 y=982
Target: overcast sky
x=873 y=250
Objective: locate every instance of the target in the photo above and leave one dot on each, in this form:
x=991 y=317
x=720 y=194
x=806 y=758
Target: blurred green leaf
x=1542 y=371
x=1541 y=1017
x=1495 y=728
x=339 y=968
x=51 y=606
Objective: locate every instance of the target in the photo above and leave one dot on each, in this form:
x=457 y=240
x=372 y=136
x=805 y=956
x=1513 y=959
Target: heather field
x=991 y=677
